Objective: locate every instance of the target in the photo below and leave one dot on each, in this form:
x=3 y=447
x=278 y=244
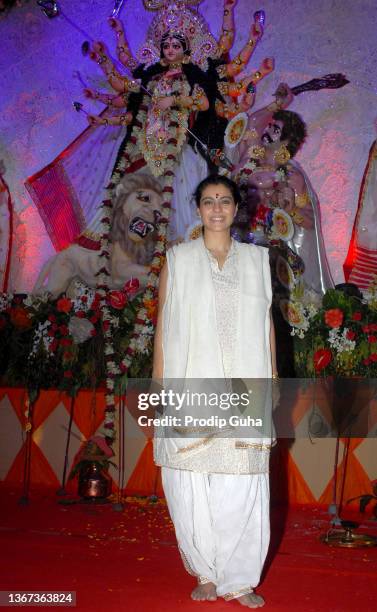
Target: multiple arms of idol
x=239 y=96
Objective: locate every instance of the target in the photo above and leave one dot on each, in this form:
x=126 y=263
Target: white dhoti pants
x=222 y=526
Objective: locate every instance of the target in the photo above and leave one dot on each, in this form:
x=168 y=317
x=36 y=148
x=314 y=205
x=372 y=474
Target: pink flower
x=321 y=359
x=132 y=286
x=117 y=299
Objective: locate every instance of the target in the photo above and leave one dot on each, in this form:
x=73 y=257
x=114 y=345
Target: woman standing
x=214 y=322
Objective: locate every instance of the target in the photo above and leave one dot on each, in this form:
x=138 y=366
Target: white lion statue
x=136 y=212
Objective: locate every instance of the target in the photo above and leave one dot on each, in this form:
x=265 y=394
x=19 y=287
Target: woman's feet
x=204 y=592
x=207 y=592
x=251 y=600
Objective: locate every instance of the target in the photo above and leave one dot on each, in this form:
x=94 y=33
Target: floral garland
x=173 y=138
x=145 y=319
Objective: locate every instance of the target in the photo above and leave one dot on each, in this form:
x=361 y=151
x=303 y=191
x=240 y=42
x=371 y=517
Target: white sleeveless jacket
x=191 y=350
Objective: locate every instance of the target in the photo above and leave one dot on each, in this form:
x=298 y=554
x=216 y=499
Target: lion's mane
x=140 y=252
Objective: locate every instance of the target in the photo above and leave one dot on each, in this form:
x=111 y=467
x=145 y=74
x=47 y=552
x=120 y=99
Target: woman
x=214 y=322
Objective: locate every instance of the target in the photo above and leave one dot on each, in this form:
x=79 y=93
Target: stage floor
x=128 y=561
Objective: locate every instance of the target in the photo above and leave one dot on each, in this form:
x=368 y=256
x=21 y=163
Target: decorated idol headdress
x=175 y=17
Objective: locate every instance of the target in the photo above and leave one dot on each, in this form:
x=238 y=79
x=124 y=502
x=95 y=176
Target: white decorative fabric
x=310 y=246
x=222 y=526
x=363 y=248
x=190 y=169
x=210 y=332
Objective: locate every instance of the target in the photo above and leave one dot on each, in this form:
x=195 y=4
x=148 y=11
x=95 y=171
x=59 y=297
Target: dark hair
x=294 y=129
x=181 y=39
x=217 y=179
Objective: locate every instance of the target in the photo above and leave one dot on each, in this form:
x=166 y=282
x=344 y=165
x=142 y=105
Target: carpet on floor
x=128 y=561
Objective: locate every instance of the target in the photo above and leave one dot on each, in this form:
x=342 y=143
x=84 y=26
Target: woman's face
x=172 y=50
x=217 y=208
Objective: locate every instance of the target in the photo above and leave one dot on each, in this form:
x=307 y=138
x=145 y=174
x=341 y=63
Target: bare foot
x=204 y=592
x=251 y=600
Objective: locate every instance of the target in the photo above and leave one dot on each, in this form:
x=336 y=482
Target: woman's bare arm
x=273 y=347
x=158 y=358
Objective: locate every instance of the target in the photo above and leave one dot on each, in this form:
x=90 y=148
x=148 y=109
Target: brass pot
x=94 y=483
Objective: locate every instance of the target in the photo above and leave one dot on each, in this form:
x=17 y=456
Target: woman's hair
x=217 y=179
x=181 y=39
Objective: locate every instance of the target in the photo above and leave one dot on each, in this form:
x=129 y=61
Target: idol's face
x=272 y=133
x=172 y=50
x=217 y=208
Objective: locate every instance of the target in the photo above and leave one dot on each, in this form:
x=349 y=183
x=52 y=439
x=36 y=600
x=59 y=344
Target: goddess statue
x=177 y=104
x=166 y=116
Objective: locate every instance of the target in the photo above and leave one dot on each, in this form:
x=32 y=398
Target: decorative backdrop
x=302 y=470
x=39 y=60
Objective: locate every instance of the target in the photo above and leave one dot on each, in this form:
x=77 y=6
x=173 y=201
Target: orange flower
x=20 y=317
x=334 y=317
x=151 y=308
x=64 y=305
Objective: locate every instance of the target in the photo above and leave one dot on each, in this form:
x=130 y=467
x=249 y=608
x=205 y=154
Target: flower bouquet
x=333 y=337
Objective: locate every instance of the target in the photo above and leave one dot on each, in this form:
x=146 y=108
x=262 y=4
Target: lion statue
x=137 y=208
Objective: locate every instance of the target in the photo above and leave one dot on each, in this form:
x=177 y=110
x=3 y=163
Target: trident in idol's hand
x=117 y=8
